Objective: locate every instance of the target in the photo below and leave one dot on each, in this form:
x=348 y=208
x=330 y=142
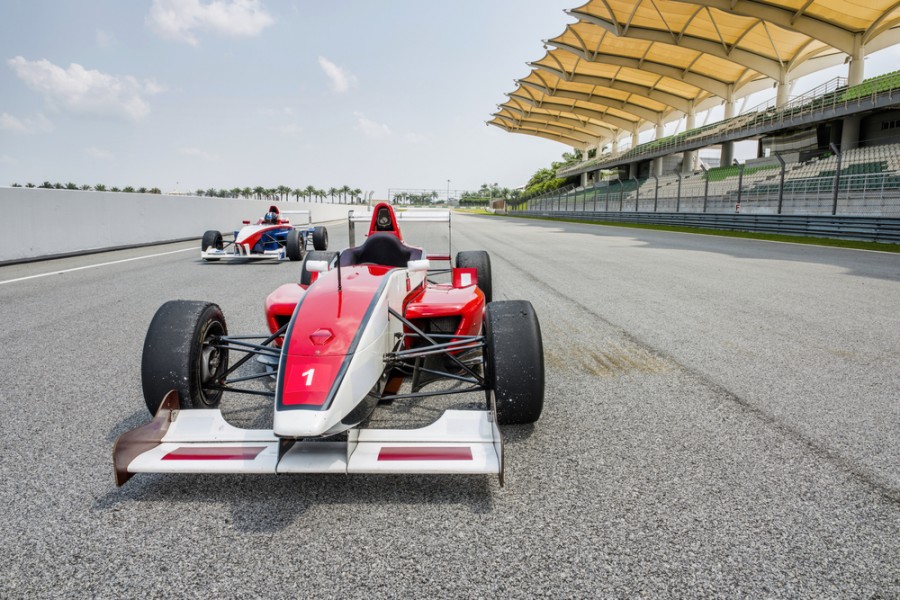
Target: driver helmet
x=270 y=217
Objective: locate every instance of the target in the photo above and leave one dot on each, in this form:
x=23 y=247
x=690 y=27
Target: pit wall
x=37 y=223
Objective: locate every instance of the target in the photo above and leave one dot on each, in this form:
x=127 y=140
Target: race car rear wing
x=409 y=215
x=299 y=212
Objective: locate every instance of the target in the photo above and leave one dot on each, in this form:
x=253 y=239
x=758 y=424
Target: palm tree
x=297 y=192
x=114 y=189
x=258 y=191
x=29 y=185
x=142 y=190
x=344 y=191
x=84 y=188
x=235 y=192
x=98 y=187
x=331 y=192
x=247 y=192
x=155 y=190
x=320 y=194
x=128 y=189
x=310 y=190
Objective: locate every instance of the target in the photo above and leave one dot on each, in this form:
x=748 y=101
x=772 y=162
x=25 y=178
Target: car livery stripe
x=392 y=453
x=220 y=453
x=339 y=378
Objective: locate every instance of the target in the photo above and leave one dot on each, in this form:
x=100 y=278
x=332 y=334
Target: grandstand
x=628 y=67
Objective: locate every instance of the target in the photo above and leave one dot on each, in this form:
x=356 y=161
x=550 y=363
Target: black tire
x=177 y=355
x=514 y=361
x=212 y=239
x=294 y=245
x=320 y=238
x=329 y=257
x=480 y=260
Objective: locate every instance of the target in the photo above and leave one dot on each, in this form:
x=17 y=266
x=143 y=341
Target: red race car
x=367 y=325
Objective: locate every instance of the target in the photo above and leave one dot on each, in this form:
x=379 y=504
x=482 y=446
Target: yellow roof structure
x=629 y=65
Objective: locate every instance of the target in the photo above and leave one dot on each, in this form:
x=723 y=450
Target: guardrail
x=869 y=229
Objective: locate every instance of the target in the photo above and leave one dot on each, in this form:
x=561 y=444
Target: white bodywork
x=364 y=370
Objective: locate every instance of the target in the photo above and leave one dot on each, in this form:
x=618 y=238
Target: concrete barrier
x=37 y=223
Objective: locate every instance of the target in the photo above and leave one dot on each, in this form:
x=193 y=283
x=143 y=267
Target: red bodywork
x=328 y=319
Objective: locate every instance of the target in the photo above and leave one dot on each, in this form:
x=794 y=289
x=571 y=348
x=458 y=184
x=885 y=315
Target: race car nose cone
x=320 y=337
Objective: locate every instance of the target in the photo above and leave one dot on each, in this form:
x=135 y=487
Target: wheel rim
x=211 y=362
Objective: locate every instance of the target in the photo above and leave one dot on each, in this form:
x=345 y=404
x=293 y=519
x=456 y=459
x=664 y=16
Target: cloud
x=414 y=138
x=341 y=79
x=198 y=153
x=179 y=19
x=98 y=153
x=288 y=130
x=371 y=128
x=104 y=40
x=80 y=91
x=38 y=124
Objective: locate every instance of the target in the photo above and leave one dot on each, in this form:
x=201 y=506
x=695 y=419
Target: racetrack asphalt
x=721 y=420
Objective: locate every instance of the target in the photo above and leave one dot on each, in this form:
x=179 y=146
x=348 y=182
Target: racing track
x=721 y=420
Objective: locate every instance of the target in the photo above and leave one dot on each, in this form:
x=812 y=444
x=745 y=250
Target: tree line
x=344 y=194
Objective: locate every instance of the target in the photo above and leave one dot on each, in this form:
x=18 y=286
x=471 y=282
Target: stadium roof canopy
x=630 y=65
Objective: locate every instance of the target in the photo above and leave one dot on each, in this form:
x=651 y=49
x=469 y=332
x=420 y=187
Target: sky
x=192 y=94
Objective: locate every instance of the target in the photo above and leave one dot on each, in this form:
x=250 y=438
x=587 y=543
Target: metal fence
x=862 y=207
x=871 y=194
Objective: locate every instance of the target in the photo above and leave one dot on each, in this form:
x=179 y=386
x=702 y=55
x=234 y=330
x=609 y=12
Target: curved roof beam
x=677 y=102
x=885 y=22
x=614 y=121
x=830 y=33
x=638 y=111
x=716 y=87
x=520 y=115
x=757 y=62
x=563 y=139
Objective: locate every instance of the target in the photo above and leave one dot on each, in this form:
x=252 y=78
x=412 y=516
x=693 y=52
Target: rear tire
x=320 y=238
x=329 y=257
x=514 y=361
x=294 y=245
x=480 y=260
x=178 y=355
x=212 y=239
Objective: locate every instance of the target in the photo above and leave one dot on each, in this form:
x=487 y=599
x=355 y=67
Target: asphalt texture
x=721 y=421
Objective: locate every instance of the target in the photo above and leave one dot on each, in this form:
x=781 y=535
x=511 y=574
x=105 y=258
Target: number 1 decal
x=309 y=376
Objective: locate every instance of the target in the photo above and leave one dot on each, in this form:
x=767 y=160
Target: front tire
x=481 y=261
x=179 y=354
x=294 y=245
x=514 y=361
x=320 y=238
x=212 y=239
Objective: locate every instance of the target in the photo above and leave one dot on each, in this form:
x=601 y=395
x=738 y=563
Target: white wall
x=39 y=222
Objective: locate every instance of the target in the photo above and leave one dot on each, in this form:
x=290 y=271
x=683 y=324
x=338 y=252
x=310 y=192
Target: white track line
x=106 y=264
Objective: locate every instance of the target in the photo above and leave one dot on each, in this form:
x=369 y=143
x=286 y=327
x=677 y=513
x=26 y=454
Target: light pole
x=448 y=192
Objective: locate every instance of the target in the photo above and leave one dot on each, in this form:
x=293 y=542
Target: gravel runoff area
x=721 y=420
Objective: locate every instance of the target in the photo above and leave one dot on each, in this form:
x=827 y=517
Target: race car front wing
x=202 y=441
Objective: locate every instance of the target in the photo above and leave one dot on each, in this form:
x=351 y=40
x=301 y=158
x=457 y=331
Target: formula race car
x=271 y=237
x=365 y=326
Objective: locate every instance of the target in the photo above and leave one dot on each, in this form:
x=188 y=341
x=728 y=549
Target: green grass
x=770 y=237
